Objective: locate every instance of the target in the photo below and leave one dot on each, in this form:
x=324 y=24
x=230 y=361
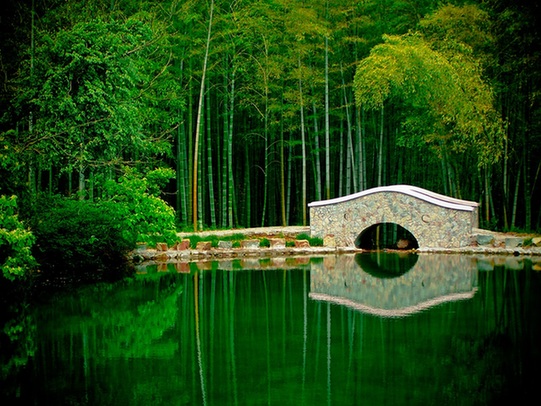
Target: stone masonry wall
x=432 y=225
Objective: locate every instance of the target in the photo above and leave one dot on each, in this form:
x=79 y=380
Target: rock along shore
x=482 y=242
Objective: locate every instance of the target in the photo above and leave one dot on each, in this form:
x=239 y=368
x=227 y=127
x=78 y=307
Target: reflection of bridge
x=436 y=221
x=433 y=279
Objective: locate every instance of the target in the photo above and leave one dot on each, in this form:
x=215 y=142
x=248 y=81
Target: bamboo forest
x=145 y=145
x=252 y=109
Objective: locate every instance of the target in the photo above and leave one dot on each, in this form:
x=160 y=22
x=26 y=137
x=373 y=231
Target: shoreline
x=507 y=244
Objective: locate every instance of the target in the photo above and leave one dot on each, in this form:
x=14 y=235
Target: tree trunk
x=303 y=146
x=327 y=125
x=198 y=122
x=351 y=179
x=380 y=152
x=210 y=170
x=317 y=155
x=231 y=184
x=282 y=173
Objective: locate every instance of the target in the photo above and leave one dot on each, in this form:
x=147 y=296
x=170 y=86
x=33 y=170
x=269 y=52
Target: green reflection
x=254 y=337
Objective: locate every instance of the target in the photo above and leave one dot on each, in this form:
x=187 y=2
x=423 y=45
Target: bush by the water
x=90 y=240
x=136 y=200
x=80 y=240
x=15 y=242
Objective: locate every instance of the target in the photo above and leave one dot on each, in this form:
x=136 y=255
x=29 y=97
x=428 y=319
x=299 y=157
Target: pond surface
x=368 y=329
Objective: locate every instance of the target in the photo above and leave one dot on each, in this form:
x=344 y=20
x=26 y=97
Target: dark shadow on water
x=386 y=264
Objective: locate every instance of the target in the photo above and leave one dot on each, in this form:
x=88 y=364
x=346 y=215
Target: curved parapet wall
x=436 y=221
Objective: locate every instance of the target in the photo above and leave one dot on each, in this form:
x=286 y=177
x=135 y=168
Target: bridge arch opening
x=386 y=236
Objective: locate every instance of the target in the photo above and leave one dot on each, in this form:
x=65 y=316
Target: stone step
x=502 y=240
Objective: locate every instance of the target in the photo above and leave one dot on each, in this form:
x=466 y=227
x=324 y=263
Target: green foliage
x=214 y=239
x=264 y=242
x=79 y=239
x=135 y=200
x=95 y=94
x=16 y=241
x=444 y=98
x=194 y=239
x=314 y=241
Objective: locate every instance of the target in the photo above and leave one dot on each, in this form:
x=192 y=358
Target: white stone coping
x=414 y=191
x=452 y=297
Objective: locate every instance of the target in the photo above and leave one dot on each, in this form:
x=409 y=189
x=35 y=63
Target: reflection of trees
x=501 y=360
x=253 y=337
x=117 y=327
x=17 y=346
x=128 y=317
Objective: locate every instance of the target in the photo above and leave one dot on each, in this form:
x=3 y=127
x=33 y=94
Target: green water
x=345 y=330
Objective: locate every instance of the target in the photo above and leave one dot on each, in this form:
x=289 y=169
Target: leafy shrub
x=16 y=260
x=80 y=239
x=264 y=242
x=314 y=241
x=135 y=200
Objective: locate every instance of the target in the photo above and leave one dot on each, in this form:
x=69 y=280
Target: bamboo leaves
x=443 y=96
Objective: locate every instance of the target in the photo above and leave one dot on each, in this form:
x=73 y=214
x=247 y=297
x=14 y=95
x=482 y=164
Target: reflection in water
x=247 y=336
x=360 y=281
x=386 y=264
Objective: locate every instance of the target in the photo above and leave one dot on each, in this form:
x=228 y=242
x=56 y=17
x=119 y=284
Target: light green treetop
x=444 y=100
x=16 y=242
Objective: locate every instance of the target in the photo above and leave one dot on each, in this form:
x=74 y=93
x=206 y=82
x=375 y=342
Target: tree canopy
x=442 y=95
x=297 y=101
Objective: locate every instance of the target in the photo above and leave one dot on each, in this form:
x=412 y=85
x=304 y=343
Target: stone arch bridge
x=434 y=220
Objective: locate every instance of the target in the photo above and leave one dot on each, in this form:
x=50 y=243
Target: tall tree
x=198 y=120
x=88 y=91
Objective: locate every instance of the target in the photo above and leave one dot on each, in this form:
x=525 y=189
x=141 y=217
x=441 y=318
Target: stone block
x=183 y=245
x=329 y=241
x=403 y=244
x=203 y=246
x=513 y=242
x=161 y=257
x=226 y=245
x=277 y=243
x=485 y=239
x=536 y=241
x=302 y=244
x=249 y=244
x=161 y=246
